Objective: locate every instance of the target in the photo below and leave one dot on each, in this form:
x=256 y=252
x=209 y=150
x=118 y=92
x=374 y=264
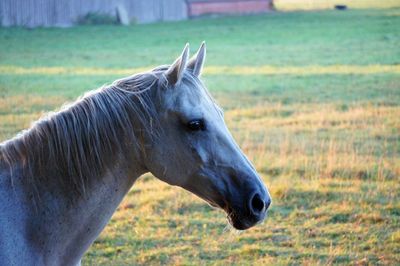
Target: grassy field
x=312 y=98
x=329 y=4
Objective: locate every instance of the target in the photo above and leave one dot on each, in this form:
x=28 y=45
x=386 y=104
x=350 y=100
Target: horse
x=63 y=178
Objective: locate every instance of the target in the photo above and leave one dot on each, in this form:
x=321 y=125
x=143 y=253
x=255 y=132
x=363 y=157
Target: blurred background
x=50 y=13
x=311 y=92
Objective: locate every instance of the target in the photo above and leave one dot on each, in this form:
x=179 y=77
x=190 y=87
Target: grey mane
x=79 y=141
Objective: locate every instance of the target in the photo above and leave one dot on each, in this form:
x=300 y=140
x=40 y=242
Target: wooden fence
x=205 y=7
x=63 y=13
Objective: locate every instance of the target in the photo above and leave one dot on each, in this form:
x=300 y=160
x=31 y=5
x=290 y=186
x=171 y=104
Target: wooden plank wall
x=206 y=7
x=64 y=13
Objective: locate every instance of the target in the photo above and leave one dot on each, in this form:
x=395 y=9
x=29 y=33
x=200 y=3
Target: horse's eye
x=196 y=125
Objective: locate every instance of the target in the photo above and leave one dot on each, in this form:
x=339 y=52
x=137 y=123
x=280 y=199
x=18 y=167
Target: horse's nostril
x=257 y=204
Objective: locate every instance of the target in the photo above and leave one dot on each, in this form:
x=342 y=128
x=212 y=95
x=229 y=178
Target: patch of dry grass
x=333 y=173
x=19 y=111
x=214 y=70
x=320 y=140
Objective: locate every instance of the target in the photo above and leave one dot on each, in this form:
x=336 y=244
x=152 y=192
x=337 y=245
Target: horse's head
x=195 y=149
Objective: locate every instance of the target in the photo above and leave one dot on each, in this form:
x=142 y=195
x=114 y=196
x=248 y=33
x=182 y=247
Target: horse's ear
x=175 y=71
x=197 y=61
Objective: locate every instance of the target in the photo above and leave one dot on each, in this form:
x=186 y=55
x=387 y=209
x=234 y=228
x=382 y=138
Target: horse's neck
x=59 y=224
x=58 y=227
x=86 y=219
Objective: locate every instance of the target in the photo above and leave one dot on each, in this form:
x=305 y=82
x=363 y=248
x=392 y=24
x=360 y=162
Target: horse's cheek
x=200 y=156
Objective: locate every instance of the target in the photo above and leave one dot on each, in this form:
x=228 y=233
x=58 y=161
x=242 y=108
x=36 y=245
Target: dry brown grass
x=320 y=140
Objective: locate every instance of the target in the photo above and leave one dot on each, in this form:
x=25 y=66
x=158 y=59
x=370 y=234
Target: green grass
x=328 y=146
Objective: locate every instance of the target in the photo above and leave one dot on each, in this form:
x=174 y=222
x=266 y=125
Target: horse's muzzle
x=253 y=212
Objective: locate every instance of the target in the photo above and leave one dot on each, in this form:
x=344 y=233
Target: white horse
x=62 y=179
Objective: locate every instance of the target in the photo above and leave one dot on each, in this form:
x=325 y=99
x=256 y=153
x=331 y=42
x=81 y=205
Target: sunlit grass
x=214 y=70
x=333 y=172
x=321 y=140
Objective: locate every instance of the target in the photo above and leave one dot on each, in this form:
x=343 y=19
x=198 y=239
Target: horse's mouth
x=233 y=218
x=240 y=222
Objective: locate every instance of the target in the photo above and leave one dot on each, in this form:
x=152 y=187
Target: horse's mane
x=80 y=140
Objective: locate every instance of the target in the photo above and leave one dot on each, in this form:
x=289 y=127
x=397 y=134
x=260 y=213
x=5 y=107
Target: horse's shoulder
x=14 y=243
x=12 y=191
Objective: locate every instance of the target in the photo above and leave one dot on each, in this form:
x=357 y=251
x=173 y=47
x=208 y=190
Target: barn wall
x=203 y=7
x=47 y=13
